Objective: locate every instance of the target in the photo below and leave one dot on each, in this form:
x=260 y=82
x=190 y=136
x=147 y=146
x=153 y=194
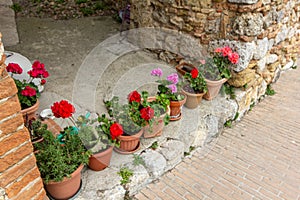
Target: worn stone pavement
x=8 y=26
x=258 y=158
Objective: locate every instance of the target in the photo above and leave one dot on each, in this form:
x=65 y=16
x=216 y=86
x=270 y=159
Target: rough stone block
x=242 y=78
x=262 y=47
x=249 y=24
x=155 y=163
x=139 y=179
x=173 y=151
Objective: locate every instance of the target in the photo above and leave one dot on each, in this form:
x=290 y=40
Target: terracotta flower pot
x=66 y=188
x=193 y=100
x=213 y=88
x=100 y=161
x=184 y=67
x=129 y=143
x=29 y=113
x=156 y=129
x=175 y=109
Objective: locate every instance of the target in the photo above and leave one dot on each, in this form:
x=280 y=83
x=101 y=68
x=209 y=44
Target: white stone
x=262 y=64
x=266 y=2
x=138 y=180
x=271 y=43
x=261 y=48
x=288 y=66
x=281 y=36
x=155 y=163
x=272 y=58
x=173 y=151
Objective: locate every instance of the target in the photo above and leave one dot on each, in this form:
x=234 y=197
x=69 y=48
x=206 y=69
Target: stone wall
x=266 y=34
x=19 y=175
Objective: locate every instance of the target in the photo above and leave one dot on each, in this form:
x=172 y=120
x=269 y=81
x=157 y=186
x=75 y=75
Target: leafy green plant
x=36 y=129
x=56 y=161
x=228 y=124
x=270 y=91
x=87 y=11
x=138 y=160
x=16 y=7
x=229 y=90
x=154 y=145
x=125 y=174
x=80 y=1
x=192 y=148
x=196 y=81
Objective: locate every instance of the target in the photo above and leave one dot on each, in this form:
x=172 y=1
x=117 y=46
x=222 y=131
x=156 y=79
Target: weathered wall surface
x=19 y=175
x=265 y=33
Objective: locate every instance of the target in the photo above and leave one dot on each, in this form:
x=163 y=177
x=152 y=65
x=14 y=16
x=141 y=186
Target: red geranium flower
x=62 y=109
x=14 y=68
x=28 y=91
x=194 y=73
x=226 y=51
x=43 y=82
x=234 y=58
x=134 y=96
x=147 y=113
x=115 y=130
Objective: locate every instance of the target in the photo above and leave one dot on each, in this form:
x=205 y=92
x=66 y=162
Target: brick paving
x=259 y=158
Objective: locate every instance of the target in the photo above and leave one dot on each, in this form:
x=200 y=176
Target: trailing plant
x=229 y=90
x=125 y=174
x=270 y=91
x=138 y=160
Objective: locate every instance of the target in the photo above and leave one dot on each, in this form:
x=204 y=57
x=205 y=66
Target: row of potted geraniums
x=216 y=70
x=169 y=90
x=28 y=92
x=195 y=89
x=60 y=160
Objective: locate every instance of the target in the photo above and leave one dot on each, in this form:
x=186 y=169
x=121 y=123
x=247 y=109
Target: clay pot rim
x=217 y=82
x=129 y=137
x=192 y=94
x=78 y=170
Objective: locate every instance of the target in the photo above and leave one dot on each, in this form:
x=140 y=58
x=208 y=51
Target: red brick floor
x=259 y=158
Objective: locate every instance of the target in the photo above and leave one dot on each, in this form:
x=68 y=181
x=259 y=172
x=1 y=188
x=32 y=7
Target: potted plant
x=28 y=92
x=152 y=113
x=216 y=70
x=60 y=160
x=125 y=115
x=195 y=88
x=36 y=130
x=99 y=139
x=169 y=92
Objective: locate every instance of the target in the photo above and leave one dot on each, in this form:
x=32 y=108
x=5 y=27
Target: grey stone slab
x=8 y=26
x=6 y=3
